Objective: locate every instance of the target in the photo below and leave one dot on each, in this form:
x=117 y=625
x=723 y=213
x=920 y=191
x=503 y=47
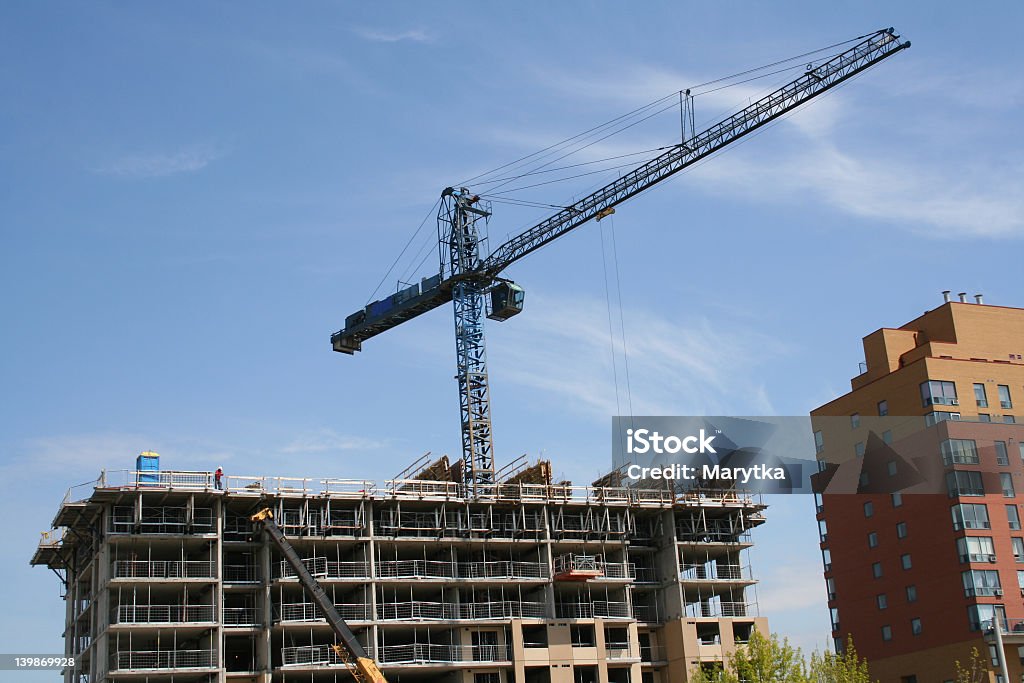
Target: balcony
x=720 y=609
x=618 y=651
x=240 y=616
x=165 y=614
x=321 y=568
x=427 y=569
x=413 y=653
x=307 y=611
x=590 y=610
x=474 y=611
x=713 y=572
x=165 y=569
x=156 y=660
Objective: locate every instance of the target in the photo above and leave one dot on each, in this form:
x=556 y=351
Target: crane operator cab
x=506 y=300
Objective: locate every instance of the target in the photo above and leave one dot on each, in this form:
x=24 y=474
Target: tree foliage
x=771 y=660
x=976 y=670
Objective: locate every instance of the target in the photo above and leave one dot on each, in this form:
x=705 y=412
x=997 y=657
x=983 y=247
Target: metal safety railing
x=165 y=569
x=396 y=488
x=165 y=614
x=307 y=611
x=412 y=653
x=133 y=660
x=241 y=616
x=589 y=610
x=617 y=650
x=241 y=573
x=719 y=609
x=713 y=572
x=500 y=569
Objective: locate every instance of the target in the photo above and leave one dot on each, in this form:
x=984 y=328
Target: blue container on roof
x=148 y=467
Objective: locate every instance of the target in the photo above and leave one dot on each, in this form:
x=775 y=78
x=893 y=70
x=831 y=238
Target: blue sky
x=194 y=197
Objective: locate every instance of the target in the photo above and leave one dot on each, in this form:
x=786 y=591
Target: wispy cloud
x=416 y=35
x=158 y=164
x=327 y=440
x=817 y=158
x=683 y=366
x=83 y=455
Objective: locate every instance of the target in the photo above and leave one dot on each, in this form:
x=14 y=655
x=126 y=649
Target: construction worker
x=217 y=476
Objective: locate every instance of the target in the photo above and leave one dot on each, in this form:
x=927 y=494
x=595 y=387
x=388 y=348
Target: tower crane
x=473 y=283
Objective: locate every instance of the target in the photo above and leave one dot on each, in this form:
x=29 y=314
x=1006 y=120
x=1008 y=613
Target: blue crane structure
x=473 y=282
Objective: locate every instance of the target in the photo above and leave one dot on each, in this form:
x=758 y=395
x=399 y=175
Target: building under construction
x=166 y=578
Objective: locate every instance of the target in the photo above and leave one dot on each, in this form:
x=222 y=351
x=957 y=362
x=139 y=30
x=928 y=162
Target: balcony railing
x=721 y=609
x=653 y=653
x=419 y=610
x=413 y=653
x=590 y=610
x=619 y=570
x=165 y=614
x=307 y=611
x=618 y=651
x=240 y=616
x=501 y=569
x=165 y=569
x=164 y=659
x=241 y=573
x=712 y=572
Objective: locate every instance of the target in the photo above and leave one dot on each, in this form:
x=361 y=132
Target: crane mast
x=467 y=279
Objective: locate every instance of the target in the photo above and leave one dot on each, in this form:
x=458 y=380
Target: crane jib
x=814 y=82
x=380 y=316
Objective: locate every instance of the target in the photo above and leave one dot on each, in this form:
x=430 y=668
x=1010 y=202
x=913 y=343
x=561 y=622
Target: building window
x=979 y=396
x=938 y=393
x=975 y=549
x=822 y=531
x=901 y=530
x=980 y=616
x=905 y=561
x=911 y=593
x=834 y=612
x=886 y=632
x=864 y=480
x=854 y=421
x=1020 y=578
x=873 y=540
x=915 y=626
x=858 y=449
x=984 y=417
x=826 y=558
x=887 y=436
x=819 y=442
x=981 y=582
x=970 y=516
x=1018 y=549
x=934 y=418
x=882 y=601
x=819 y=504
x=1004 y=396
x=876 y=570
x=964 y=483
x=897 y=499
x=959 y=452
x=869 y=507
x=1006 y=480
x=883 y=408
x=1009 y=419
x=830 y=586
x=1002 y=455
x=1013 y=517
x=1020 y=447
x=890 y=467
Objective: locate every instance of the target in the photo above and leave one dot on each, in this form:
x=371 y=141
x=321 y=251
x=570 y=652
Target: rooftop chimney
x=945 y=296
x=963 y=297
x=978 y=299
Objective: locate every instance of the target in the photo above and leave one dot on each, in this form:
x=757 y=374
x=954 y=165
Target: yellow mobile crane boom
x=348 y=647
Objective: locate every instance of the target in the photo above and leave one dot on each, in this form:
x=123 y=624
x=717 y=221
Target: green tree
x=844 y=667
x=975 y=672
x=771 y=660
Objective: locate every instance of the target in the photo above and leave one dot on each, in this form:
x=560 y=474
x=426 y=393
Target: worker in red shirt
x=217 y=476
